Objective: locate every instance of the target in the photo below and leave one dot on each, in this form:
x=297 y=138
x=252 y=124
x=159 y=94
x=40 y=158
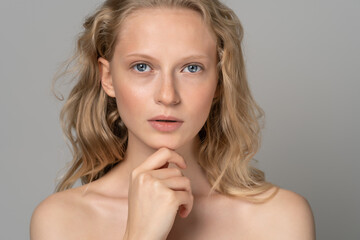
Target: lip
x=165 y=126
x=163 y=117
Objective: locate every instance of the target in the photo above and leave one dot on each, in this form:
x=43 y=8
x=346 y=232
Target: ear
x=105 y=76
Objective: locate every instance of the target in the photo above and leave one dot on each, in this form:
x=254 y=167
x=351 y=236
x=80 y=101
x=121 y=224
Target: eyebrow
x=193 y=56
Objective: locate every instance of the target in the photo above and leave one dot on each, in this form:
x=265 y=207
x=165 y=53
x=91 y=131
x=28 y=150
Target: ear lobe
x=105 y=76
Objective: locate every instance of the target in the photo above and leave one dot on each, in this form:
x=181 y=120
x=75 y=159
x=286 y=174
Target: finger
x=160 y=158
x=183 y=212
x=177 y=183
x=185 y=201
x=165 y=165
x=166 y=173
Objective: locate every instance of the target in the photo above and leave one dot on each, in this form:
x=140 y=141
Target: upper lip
x=163 y=117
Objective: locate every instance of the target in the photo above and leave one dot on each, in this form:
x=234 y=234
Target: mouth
x=163 y=118
x=165 y=123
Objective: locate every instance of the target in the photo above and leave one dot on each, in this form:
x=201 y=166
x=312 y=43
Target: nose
x=167 y=93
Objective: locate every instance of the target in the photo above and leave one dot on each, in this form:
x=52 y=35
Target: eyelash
x=191 y=64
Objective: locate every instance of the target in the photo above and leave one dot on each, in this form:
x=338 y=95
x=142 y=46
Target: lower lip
x=165 y=126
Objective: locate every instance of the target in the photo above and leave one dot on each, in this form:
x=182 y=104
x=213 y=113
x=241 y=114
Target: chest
x=198 y=227
x=194 y=227
x=206 y=221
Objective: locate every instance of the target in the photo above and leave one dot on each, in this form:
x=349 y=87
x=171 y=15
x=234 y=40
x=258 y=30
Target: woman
x=163 y=128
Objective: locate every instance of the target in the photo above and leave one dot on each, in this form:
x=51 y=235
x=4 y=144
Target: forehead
x=167 y=30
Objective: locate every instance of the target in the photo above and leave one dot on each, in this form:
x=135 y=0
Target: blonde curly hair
x=230 y=137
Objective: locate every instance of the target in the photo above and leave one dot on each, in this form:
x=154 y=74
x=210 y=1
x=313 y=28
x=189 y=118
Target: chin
x=167 y=145
x=171 y=144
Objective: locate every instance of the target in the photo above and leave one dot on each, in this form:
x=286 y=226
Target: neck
x=137 y=153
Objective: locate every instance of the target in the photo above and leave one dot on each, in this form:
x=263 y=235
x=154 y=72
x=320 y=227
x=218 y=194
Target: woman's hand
x=155 y=195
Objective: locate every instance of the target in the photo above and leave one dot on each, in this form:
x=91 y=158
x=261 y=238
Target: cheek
x=201 y=99
x=204 y=94
x=130 y=101
x=206 y=105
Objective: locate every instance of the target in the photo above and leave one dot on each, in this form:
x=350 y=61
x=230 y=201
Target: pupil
x=142 y=67
x=192 y=67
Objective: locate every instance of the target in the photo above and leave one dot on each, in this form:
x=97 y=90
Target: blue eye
x=193 y=68
x=140 y=67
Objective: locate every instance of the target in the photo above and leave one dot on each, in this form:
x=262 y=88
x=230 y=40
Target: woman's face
x=164 y=64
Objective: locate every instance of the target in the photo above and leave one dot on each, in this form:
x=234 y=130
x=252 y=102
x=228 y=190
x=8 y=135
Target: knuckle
x=133 y=174
x=188 y=184
x=144 y=177
x=171 y=197
x=177 y=172
x=157 y=185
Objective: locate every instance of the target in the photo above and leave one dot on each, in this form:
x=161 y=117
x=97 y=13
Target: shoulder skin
x=287 y=216
x=52 y=218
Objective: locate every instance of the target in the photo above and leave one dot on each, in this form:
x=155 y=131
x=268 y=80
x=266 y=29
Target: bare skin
x=98 y=214
x=100 y=210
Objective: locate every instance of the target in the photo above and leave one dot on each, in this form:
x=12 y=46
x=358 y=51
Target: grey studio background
x=303 y=61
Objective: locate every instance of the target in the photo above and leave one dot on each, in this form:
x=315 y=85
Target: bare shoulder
x=287 y=215
x=54 y=218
